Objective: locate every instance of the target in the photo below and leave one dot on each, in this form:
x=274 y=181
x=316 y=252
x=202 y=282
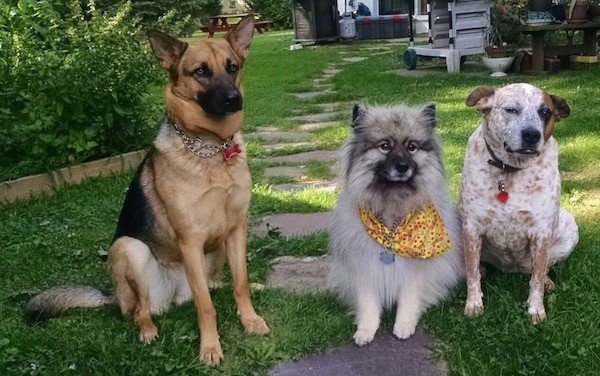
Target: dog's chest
x=528 y=209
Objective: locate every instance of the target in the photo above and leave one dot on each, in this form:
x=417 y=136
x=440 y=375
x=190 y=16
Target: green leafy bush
x=73 y=85
x=277 y=11
x=180 y=18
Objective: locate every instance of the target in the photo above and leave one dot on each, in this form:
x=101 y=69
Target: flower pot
x=498 y=65
x=496 y=51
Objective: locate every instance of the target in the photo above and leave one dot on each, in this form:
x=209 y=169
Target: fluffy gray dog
x=394 y=236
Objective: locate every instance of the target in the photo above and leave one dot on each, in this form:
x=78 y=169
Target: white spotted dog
x=509 y=192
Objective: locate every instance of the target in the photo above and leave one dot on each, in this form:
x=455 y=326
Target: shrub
x=279 y=12
x=73 y=84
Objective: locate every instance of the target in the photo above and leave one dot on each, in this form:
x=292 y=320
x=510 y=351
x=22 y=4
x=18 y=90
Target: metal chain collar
x=199 y=147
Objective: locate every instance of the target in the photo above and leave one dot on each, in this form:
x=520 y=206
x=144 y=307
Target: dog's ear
x=167 y=49
x=561 y=108
x=241 y=35
x=358 y=111
x=481 y=98
x=429 y=115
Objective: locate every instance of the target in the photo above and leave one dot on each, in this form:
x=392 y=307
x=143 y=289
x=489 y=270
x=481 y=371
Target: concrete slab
x=354 y=59
x=284 y=145
x=312 y=94
x=298 y=186
x=288 y=171
x=294 y=224
x=278 y=136
x=317 y=155
x=314 y=126
x=331 y=71
x=386 y=355
x=299 y=274
x=319 y=117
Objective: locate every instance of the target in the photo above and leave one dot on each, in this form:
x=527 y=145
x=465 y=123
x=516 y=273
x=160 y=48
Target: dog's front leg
x=193 y=260
x=368 y=312
x=236 y=256
x=472 y=255
x=409 y=307
x=539 y=274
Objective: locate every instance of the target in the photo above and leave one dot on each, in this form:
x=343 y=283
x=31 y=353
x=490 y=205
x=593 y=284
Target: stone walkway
x=386 y=355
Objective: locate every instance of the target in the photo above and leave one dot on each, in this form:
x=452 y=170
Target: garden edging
x=28 y=186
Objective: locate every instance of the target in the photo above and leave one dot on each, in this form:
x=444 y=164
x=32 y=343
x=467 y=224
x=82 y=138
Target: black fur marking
x=220 y=99
x=136 y=219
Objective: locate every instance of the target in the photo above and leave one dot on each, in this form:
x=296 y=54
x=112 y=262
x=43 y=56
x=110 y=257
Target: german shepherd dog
x=185 y=211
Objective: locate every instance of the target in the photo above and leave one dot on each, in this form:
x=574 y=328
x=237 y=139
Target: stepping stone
x=278 y=136
x=298 y=186
x=299 y=274
x=314 y=126
x=317 y=155
x=386 y=355
x=318 y=81
x=283 y=146
x=266 y=129
x=288 y=171
x=324 y=87
x=354 y=59
x=336 y=106
x=320 y=117
x=331 y=71
x=294 y=224
x=312 y=94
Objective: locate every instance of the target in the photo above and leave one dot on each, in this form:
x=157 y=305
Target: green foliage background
x=277 y=11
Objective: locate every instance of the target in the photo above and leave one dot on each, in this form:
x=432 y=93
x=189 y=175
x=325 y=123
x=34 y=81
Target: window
x=393 y=7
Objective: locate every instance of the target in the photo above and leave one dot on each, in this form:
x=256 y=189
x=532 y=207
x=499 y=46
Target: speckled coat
x=528 y=231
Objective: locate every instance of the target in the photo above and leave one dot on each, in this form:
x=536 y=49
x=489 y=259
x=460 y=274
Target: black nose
x=401 y=167
x=233 y=101
x=530 y=136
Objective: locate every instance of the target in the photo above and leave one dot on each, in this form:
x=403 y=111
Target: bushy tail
x=52 y=302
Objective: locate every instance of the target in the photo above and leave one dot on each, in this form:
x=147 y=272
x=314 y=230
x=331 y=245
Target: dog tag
x=503 y=195
x=386 y=256
x=230 y=151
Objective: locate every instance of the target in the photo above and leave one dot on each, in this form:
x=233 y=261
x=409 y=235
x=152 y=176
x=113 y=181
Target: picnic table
x=220 y=23
x=540 y=50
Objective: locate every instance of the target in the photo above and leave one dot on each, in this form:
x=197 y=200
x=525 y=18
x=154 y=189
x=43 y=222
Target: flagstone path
x=386 y=355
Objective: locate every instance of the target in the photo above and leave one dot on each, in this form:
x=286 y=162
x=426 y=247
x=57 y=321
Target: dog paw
x=473 y=308
x=364 y=336
x=255 y=324
x=211 y=355
x=538 y=314
x=404 y=330
x=148 y=335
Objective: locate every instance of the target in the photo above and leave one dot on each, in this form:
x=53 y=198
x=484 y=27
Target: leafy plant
x=73 y=83
x=279 y=12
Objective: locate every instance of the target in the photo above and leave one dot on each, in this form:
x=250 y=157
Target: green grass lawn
x=54 y=240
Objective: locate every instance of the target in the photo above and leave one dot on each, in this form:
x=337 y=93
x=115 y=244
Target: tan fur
x=200 y=203
x=184 y=214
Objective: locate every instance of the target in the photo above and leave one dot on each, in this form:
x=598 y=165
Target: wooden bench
x=219 y=23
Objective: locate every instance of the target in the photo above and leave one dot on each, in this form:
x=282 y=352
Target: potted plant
x=504 y=35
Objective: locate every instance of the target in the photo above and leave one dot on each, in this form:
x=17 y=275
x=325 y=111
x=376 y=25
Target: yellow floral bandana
x=420 y=235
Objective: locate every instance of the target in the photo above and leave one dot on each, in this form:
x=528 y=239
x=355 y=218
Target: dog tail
x=54 y=301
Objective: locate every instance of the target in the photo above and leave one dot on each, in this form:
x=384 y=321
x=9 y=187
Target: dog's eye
x=384 y=147
x=545 y=113
x=412 y=147
x=202 y=72
x=512 y=110
x=232 y=68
